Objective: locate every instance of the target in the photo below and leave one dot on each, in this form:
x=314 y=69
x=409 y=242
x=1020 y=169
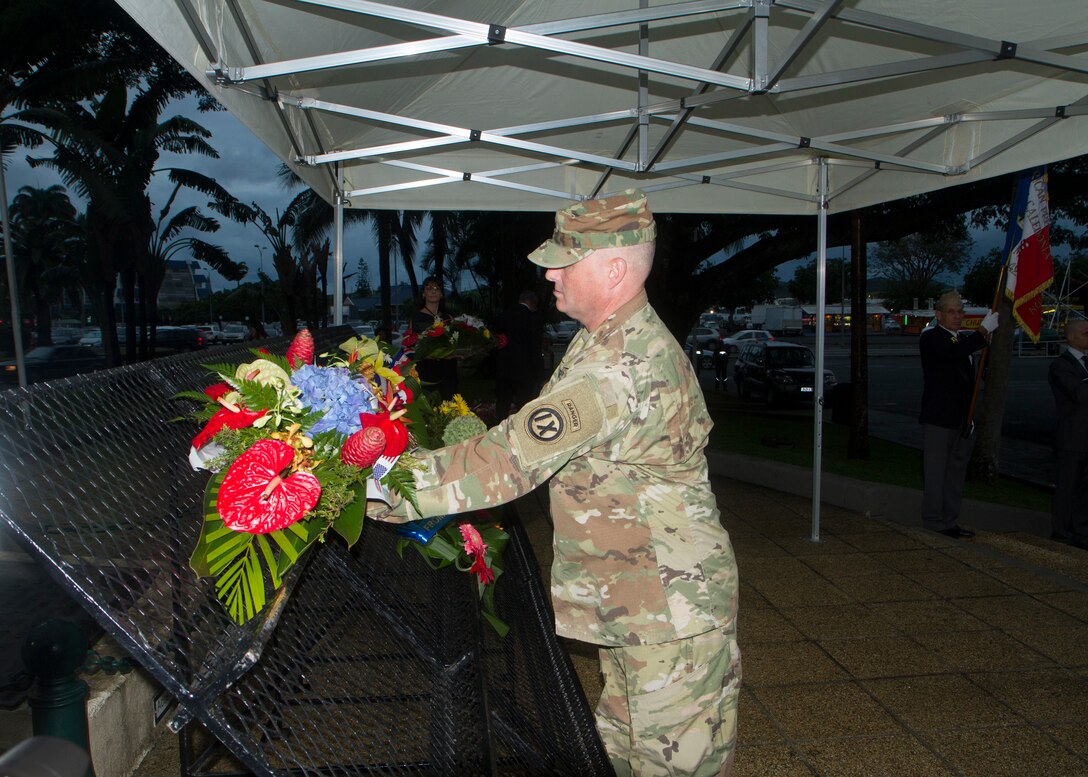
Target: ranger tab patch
x=560 y=421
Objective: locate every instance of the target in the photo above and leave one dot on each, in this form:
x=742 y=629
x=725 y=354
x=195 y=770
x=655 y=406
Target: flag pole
x=981 y=368
x=1001 y=282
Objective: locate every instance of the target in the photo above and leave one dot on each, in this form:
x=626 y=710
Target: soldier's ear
x=617 y=270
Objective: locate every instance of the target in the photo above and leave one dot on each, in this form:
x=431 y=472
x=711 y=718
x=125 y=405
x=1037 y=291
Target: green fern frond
x=400 y=482
x=196 y=396
x=256 y=394
x=223 y=370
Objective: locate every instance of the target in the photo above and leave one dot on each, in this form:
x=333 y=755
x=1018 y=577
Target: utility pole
x=260 y=275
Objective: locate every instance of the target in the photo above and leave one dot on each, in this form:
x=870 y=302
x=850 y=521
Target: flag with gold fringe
x=1029 y=267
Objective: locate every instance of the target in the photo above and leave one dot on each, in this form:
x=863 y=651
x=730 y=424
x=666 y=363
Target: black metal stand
x=366 y=663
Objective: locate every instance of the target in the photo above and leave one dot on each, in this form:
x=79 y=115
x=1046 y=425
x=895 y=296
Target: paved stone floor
x=885 y=649
x=890 y=650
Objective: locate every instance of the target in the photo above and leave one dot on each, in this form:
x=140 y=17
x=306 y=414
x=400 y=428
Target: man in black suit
x=520 y=363
x=1069 y=383
x=948 y=381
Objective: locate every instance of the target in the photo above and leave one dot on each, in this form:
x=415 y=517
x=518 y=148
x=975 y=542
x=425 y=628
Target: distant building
x=185 y=281
x=367 y=306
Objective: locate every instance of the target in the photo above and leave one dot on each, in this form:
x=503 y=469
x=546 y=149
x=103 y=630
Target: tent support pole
x=818 y=378
x=338 y=249
x=13 y=290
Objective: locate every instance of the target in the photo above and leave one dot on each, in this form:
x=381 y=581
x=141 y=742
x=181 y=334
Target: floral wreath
x=296 y=448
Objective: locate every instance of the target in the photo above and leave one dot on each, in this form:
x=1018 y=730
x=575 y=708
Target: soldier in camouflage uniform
x=643 y=567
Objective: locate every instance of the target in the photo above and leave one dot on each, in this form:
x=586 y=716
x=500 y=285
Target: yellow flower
x=461 y=405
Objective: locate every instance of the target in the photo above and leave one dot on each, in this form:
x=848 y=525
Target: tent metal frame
x=768 y=78
x=749 y=159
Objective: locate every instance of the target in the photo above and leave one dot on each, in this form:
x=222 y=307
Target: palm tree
x=172 y=237
x=278 y=231
x=394 y=234
x=43 y=230
x=106 y=149
x=492 y=249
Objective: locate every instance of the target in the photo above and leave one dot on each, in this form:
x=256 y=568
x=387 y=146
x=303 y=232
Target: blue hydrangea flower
x=332 y=391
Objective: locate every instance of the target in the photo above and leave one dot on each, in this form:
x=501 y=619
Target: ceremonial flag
x=1029 y=267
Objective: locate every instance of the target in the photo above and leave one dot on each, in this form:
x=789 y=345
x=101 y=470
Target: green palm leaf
x=349 y=524
x=240 y=561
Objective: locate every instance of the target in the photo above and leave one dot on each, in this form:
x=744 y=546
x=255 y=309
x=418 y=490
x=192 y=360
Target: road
x=895 y=391
x=895 y=384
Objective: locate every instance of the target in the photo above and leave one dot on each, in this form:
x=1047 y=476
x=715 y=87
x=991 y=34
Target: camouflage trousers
x=671 y=709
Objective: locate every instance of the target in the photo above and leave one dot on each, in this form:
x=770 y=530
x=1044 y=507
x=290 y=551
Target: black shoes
x=956 y=532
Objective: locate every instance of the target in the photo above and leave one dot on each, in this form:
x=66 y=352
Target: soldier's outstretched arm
x=579 y=413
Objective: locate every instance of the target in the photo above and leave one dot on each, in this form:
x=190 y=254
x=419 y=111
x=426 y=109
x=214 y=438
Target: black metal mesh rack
x=366 y=662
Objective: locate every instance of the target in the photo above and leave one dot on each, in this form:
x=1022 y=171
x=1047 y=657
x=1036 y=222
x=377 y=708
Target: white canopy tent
x=711 y=106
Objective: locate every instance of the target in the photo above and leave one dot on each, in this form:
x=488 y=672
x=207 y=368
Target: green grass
x=743 y=428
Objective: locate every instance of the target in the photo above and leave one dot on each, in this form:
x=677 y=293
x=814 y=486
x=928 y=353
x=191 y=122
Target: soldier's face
x=577 y=288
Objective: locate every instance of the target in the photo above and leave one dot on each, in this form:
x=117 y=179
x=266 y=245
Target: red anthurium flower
x=436 y=331
x=227 y=418
x=409 y=340
x=217 y=390
x=396 y=433
x=257 y=499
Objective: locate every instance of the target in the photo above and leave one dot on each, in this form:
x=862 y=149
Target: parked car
x=66 y=335
x=781 y=372
x=891 y=325
x=738 y=340
x=93 y=338
x=363 y=330
x=178 y=339
x=701 y=345
x=1046 y=335
x=562 y=332
x=234 y=333
x=47 y=362
x=210 y=333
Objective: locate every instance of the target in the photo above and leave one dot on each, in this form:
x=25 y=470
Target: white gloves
x=989 y=322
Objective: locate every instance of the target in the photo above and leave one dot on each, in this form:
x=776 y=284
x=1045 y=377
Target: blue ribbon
x=423 y=531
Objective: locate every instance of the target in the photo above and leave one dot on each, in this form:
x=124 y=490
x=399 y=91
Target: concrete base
x=120 y=716
x=876 y=500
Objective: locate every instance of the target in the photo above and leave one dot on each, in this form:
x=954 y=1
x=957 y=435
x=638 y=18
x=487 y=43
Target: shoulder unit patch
x=561 y=420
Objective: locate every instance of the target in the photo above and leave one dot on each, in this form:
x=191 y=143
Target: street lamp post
x=260 y=273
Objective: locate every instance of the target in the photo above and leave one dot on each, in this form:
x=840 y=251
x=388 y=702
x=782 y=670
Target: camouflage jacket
x=640 y=553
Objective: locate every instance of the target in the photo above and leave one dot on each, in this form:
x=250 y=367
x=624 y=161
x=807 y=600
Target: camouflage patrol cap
x=623 y=219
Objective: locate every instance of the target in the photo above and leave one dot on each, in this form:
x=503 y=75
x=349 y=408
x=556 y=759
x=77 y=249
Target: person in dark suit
x=948 y=381
x=520 y=363
x=1068 y=378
